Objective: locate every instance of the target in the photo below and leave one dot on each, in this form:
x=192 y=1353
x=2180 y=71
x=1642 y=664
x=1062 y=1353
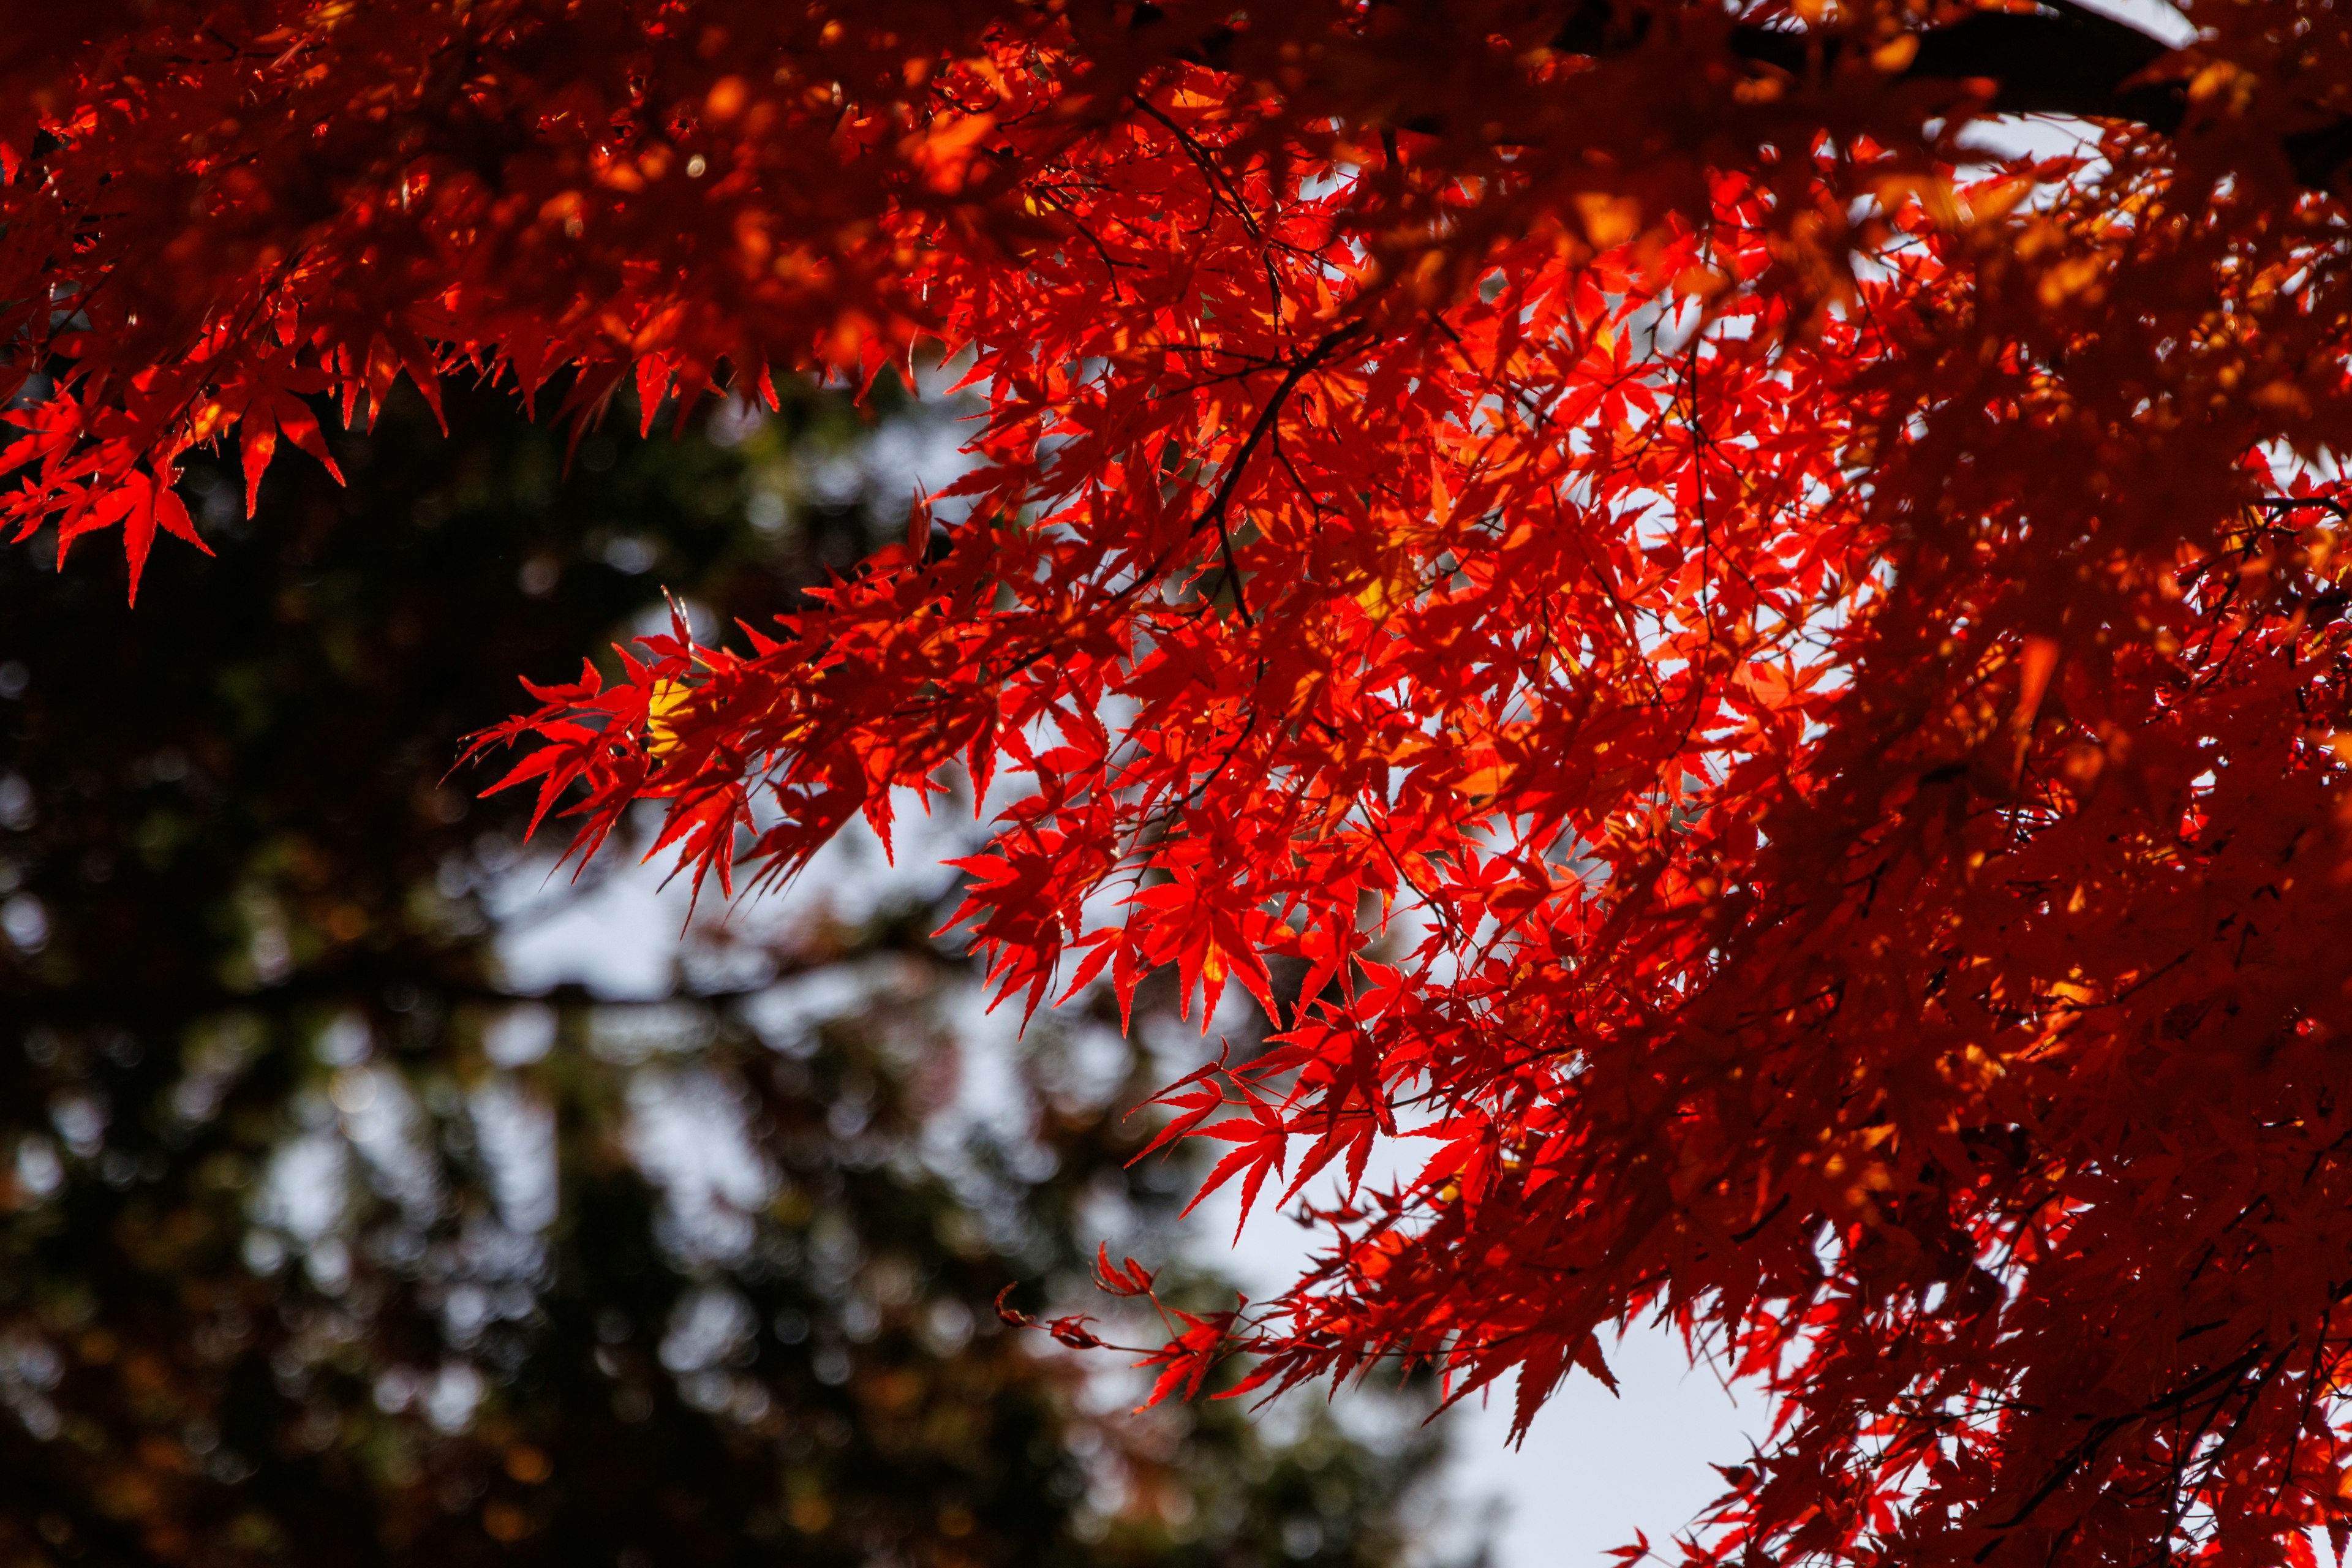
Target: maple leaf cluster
x=1773 y=708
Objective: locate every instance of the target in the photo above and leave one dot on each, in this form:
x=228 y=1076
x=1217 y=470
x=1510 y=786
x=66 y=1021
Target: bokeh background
x=375 y=1189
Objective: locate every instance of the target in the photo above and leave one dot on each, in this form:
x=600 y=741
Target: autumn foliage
x=1760 y=691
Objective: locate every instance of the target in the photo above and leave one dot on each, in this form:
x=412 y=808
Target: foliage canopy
x=1824 y=641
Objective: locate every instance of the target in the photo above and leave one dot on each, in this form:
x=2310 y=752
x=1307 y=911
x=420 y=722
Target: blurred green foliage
x=319 y=1245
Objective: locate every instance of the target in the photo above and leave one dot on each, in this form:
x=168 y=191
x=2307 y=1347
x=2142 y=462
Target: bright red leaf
x=1764 y=689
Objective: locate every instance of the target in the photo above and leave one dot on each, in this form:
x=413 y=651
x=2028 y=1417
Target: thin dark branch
x=2062 y=58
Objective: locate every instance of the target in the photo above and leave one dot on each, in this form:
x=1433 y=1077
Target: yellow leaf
x=1896 y=54
x=661 y=713
x=1607 y=220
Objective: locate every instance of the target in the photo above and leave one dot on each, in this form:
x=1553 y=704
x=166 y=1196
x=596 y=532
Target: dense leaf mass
x=1816 y=650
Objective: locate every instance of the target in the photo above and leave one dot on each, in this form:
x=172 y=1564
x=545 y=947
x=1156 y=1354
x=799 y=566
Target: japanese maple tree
x=1760 y=686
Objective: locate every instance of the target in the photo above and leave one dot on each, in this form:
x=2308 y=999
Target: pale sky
x=1593 y=1469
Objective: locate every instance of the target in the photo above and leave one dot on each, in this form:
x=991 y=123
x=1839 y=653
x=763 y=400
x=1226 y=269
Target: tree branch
x=2063 y=58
